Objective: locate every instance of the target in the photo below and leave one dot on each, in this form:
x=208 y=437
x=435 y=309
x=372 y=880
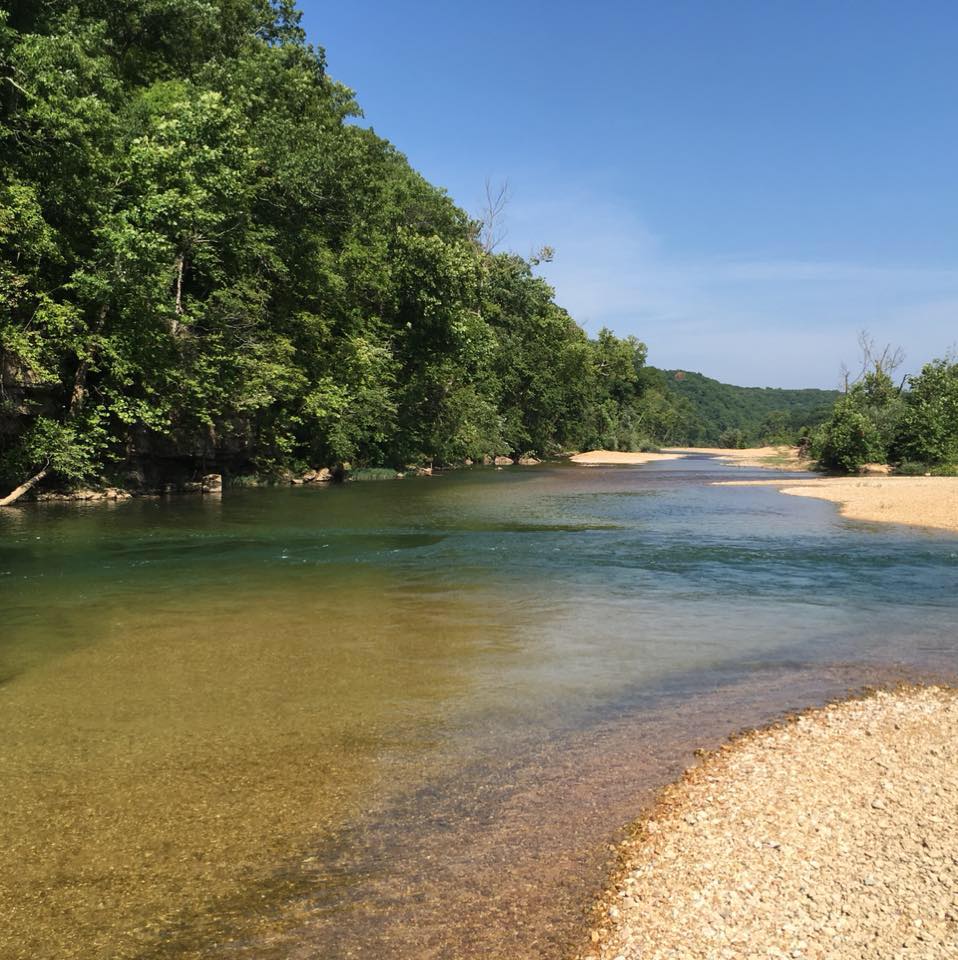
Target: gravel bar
x=833 y=835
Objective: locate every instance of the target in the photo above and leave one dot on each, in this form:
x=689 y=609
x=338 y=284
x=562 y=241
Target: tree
x=848 y=439
x=492 y=227
x=203 y=263
x=927 y=432
x=864 y=421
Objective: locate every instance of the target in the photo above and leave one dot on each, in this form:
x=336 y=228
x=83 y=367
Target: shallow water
x=405 y=718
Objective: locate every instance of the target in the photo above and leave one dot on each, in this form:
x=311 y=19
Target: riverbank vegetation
x=912 y=425
x=208 y=264
x=205 y=263
x=734 y=417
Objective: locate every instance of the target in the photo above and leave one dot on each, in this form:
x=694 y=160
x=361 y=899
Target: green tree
x=849 y=438
x=927 y=431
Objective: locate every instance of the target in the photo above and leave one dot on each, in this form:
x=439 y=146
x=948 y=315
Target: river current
x=406 y=719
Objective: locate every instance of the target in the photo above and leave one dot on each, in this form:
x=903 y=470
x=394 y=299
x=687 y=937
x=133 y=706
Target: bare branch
x=885 y=361
x=492 y=230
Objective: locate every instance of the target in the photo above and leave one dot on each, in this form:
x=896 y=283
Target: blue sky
x=743 y=185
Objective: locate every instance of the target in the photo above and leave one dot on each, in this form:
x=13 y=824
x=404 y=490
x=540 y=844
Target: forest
x=724 y=415
x=207 y=263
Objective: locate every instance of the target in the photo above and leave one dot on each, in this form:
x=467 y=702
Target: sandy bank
x=771 y=458
x=919 y=501
x=829 y=837
x=780 y=457
x=604 y=457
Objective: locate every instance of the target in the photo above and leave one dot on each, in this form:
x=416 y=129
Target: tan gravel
x=919 y=501
x=773 y=458
x=832 y=836
x=781 y=457
x=604 y=457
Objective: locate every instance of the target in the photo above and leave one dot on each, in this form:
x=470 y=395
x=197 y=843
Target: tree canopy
x=205 y=260
x=730 y=416
x=208 y=263
x=913 y=426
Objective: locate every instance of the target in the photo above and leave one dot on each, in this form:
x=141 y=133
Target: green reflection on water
x=196 y=689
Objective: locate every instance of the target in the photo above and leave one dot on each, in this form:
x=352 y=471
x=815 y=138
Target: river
x=406 y=719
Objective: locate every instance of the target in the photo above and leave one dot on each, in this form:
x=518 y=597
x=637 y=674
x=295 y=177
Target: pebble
x=773 y=845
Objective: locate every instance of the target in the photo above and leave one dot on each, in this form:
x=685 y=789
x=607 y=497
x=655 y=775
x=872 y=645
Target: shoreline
x=823 y=833
x=771 y=457
x=774 y=458
x=779 y=457
x=603 y=458
x=930 y=502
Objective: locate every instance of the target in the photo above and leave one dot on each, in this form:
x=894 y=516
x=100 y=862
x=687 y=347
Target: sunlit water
x=404 y=719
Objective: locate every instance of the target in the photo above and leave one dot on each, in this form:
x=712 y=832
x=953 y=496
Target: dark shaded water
x=405 y=718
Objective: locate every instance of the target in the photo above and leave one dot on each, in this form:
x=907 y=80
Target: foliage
x=848 y=439
x=916 y=429
x=205 y=261
x=71 y=450
x=928 y=428
x=761 y=414
x=733 y=439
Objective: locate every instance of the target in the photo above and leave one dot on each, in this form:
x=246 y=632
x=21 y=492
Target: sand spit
x=918 y=501
x=832 y=836
x=607 y=457
x=770 y=458
x=780 y=457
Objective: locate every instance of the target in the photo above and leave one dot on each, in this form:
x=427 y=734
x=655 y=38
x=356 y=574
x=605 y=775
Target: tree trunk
x=180 y=267
x=77 y=396
x=78 y=393
x=23 y=488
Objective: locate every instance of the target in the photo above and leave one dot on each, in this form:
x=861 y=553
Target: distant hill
x=722 y=412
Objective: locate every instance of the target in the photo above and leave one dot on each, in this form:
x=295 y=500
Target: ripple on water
x=405 y=713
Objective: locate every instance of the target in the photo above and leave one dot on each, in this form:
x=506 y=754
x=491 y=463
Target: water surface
x=405 y=717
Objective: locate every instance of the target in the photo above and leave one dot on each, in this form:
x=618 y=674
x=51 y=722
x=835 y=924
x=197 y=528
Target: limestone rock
x=323 y=475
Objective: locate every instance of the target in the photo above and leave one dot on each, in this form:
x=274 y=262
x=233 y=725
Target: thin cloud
x=782 y=322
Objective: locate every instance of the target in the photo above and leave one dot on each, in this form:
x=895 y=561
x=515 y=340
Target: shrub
x=847 y=440
x=928 y=430
x=733 y=439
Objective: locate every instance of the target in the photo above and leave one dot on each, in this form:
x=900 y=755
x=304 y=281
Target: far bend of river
x=405 y=719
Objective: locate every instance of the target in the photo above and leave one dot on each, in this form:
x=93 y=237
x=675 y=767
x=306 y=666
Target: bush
x=928 y=430
x=373 y=473
x=733 y=439
x=69 y=450
x=847 y=440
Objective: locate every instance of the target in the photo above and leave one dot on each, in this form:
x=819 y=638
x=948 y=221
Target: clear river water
x=406 y=719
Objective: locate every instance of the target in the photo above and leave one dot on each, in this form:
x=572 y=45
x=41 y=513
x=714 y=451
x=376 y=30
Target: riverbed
x=406 y=718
